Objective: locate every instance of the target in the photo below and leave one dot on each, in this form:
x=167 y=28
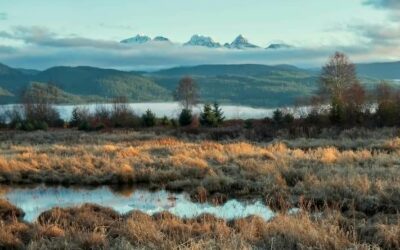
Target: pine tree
x=218 y=113
x=185 y=118
x=149 y=119
x=278 y=117
x=207 y=117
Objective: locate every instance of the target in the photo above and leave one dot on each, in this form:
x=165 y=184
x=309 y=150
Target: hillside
x=389 y=70
x=246 y=84
x=86 y=84
x=232 y=70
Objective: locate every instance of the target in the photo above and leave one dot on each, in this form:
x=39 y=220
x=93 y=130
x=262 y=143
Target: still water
x=35 y=200
x=169 y=109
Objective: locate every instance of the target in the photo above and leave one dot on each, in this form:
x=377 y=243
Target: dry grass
x=355 y=175
x=366 y=178
x=94 y=227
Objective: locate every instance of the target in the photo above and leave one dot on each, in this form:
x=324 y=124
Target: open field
x=348 y=187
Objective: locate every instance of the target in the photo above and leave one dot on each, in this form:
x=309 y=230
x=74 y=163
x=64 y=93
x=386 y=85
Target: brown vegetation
x=94 y=227
x=355 y=170
x=347 y=186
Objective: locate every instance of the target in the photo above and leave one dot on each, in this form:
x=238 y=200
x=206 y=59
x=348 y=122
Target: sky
x=42 y=33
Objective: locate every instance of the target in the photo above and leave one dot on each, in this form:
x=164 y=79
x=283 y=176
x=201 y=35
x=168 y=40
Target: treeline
x=38 y=112
x=341 y=102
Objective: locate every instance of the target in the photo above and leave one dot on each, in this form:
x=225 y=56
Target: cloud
x=393 y=6
x=44 y=48
x=383 y=4
x=36 y=35
x=381 y=36
x=3 y=16
x=151 y=57
x=378 y=34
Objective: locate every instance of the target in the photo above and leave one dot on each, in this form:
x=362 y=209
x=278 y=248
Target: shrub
x=149 y=119
x=84 y=126
x=288 y=119
x=185 y=118
x=79 y=116
x=174 y=122
x=248 y=124
x=122 y=116
x=165 y=121
x=41 y=125
x=277 y=117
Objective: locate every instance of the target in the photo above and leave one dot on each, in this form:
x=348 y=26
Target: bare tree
x=355 y=97
x=187 y=93
x=337 y=75
x=38 y=101
x=122 y=115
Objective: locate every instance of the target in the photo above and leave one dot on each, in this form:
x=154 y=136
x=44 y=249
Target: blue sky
x=359 y=27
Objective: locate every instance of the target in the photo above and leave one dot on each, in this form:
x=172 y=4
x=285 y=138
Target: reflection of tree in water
x=123 y=190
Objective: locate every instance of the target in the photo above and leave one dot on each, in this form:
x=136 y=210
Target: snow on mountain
x=138 y=39
x=279 y=46
x=242 y=43
x=204 y=41
x=161 y=39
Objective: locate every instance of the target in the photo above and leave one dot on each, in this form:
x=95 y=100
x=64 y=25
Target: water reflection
x=35 y=200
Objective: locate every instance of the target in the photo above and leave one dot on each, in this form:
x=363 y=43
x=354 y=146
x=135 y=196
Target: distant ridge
x=240 y=84
x=227 y=69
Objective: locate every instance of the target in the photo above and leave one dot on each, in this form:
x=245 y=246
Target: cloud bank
x=42 y=48
x=386 y=4
x=3 y=16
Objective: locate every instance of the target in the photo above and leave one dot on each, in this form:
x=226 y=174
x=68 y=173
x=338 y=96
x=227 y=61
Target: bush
x=248 y=124
x=165 y=121
x=42 y=112
x=174 y=122
x=26 y=126
x=41 y=125
x=288 y=119
x=149 y=119
x=84 y=126
x=122 y=116
x=79 y=116
x=185 y=118
x=277 y=116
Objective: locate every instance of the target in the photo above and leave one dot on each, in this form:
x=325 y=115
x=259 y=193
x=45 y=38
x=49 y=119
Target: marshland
x=80 y=169
x=345 y=187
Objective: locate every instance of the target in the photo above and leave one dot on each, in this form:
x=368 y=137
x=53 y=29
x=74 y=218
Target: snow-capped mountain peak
x=138 y=39
x=205 y=41
x=241 y=43
x=161 y=39
x=279 y=46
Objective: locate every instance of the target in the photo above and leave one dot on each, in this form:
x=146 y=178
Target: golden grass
x=94 y=227
x=232 y=167
x=359 y=175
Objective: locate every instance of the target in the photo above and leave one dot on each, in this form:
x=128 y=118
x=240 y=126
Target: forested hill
x=246 y=84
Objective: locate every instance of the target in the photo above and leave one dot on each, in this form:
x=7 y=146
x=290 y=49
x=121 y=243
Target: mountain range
x=244 y=84
x=240 y=42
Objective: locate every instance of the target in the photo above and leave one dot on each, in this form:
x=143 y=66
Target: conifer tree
x=218 y=113
x=207 y=116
